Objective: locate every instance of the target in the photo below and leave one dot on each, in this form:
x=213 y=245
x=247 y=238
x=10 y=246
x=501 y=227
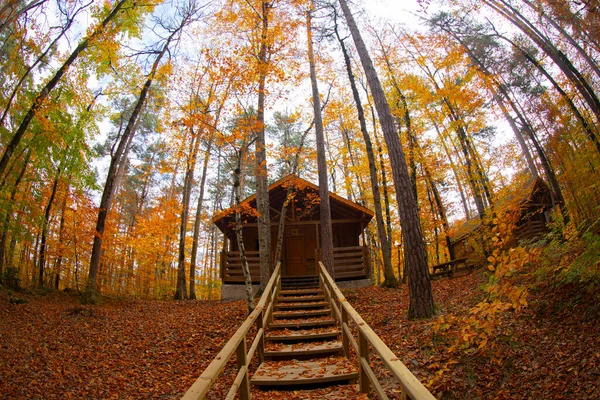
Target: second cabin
x=301 y=248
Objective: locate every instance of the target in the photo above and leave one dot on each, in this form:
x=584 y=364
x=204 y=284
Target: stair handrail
x=261 y=315
x=411 y=386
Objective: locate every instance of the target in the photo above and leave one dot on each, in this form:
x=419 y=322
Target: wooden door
x=294 y=256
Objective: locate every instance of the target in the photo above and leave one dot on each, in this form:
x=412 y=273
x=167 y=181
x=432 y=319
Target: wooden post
x=345 y=340
x=240 y=353
x=222 y=260
x=261 y=325
x=363 y=349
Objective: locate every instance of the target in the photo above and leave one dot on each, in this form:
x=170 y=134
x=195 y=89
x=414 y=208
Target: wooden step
x=307 y=285
x=302 y=323
x=306 y=299
x=300 y=314
x=298 y=373
x=301 y=305
x=300 y=335
x=294 y=279
x=300 y=292
x=302 y=351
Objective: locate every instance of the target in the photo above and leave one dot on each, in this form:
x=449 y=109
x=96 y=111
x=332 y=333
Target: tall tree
x=43 y=94
x=384 y=240
x=262 y=183
x=187 y=13
x=421 y=298
x=326 y=228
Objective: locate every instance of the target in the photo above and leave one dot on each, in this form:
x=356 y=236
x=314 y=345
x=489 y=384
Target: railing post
x=363 y=350
x=345 y=339
x=240 y=353
x=222 y=262
x=261 y=342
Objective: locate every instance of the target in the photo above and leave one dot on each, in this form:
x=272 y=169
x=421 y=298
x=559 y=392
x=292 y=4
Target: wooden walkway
x=307 y=336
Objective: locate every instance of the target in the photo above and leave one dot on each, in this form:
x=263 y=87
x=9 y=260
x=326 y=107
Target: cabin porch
x=301 y=246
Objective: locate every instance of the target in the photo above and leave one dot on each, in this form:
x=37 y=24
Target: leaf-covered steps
x=294 y=373
x=303 y=344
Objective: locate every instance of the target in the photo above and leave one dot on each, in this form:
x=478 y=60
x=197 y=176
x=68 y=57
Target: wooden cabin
x=532 y=203
x=301 y=241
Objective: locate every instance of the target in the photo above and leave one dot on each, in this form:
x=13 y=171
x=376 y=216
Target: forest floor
x=53 y=347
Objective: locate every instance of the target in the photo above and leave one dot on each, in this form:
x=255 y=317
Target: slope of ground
x=551 y=350
x=52 y=347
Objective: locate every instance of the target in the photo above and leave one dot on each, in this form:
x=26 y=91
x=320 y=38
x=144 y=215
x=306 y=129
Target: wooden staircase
x=294 y=334
x=302 y=342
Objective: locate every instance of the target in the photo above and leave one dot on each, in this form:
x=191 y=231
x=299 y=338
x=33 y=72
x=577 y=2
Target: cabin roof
x=341 y=208
x=521 y=195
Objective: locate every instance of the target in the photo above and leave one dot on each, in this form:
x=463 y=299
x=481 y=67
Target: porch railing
x=367 y=340
x=350 y=262
x=231 y=266
x=262 y=314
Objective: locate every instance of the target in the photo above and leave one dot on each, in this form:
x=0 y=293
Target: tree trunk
x=262 y=183
x=584 y=122
x=197 y=221
x=239 y=236
x=45 y=222
x=5 y=226
x=557 y=56
x=386 y=248
x=111 y=179
x=181 y=289
x=326 y=228
x=420 y=294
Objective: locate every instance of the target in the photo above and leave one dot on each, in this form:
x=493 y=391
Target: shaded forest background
x=122 y=123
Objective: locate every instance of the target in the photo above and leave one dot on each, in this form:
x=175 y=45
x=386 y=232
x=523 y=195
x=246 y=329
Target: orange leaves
x=133 y=349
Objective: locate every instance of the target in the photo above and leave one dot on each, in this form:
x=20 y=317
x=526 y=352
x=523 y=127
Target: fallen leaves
x=52 y=347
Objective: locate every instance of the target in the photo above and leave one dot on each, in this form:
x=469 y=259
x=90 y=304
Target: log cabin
x=301 y=239
x=530 y=204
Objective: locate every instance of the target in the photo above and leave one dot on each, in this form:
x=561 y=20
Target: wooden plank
x=344 y=275
x=348 y=261
x=339 y=249
x=302 y=324
x=356 y=254
x=240 y=279
x=349 y=267
x=300 y=314
x=303 y=349
x=302 y=335
x=304 y=372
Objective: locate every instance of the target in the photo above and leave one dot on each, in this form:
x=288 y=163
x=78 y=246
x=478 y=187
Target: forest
x=127 y=125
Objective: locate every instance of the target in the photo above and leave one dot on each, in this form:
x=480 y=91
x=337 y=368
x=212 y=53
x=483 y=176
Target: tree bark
x=326 y=228
x=197 y=221
x=420 y=294
x=45 y=222
x=239 y=235
x=7 y=217
x=262 y=183
x=557 y=56
x=386 y=248
x=181 y=290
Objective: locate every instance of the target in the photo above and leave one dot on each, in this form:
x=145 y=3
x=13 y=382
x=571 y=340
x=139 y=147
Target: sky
x=394 y=10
